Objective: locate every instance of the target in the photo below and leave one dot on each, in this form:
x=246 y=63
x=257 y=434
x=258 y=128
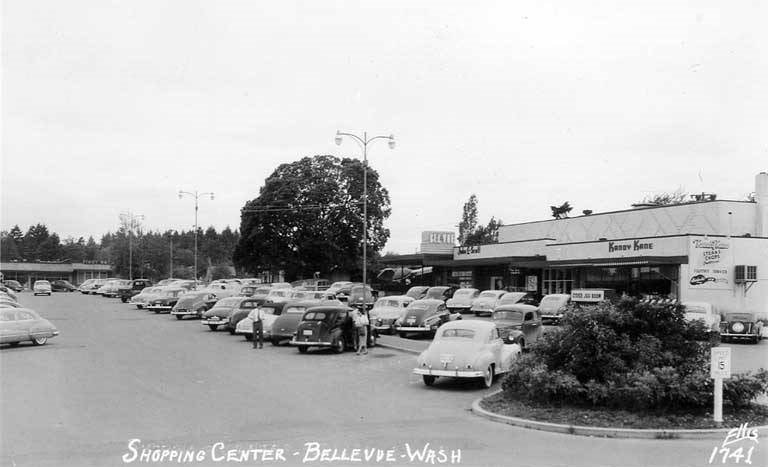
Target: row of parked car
x=19 y=324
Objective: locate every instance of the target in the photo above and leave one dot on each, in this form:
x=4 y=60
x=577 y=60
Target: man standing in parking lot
x=258 y=328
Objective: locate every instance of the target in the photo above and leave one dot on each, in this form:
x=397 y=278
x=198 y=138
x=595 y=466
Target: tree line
x=151 y=253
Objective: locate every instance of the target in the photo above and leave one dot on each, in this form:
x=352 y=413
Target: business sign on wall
x=631 y=247
x=433 y=241
x=710 y=264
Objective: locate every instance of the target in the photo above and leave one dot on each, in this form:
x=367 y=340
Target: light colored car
x=705 y=312
x=85 y=287
x=111 y=288
x=462 y=299
x=466 y=349
x=311 y=295
x=279 y=295
x=22 y=324
x=518 y=323
x=337 y=286
x=95 y=285
x=552 y=306
x=387 y=310
x=41 y=288
x=486 y=302
x=222 y=289
x=146 y=294
x=244 y=327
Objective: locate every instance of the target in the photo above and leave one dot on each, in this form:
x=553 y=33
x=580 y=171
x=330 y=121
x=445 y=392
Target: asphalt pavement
x=119 y=383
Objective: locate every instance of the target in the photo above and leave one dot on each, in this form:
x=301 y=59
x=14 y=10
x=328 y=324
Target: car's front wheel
x=303 y=349
x=488 y=377
x=179 y=317
x=402 y=335
x=123 y=299
x=429 y=380
x=275 y=341
x=39 y=340
x=338 y=345
x=213 y=327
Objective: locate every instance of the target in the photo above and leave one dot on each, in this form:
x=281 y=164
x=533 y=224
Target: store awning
x=614 y=262
x=521 y=261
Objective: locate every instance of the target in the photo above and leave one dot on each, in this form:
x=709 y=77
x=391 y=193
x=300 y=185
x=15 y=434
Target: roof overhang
x=614 y=262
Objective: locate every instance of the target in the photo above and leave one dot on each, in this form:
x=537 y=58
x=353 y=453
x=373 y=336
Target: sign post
x=720 y=368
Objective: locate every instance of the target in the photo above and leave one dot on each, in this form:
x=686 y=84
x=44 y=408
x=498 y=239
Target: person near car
x=361 y=331
x=258 y=328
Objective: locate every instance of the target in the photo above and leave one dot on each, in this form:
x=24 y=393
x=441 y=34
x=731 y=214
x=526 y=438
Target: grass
x=754 y=414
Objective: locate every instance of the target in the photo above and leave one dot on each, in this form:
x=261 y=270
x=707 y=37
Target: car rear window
x=460 y=333
x=295 y=309
x=508 y=315
x=488 y=295
x=315 y=316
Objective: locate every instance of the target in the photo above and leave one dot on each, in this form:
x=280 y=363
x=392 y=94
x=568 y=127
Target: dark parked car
x=14 y=285
x=424 y=317
x=518 y=323
x=360 y=296
x=326 y=326
x=22 y=324
x=743 y=325
x=285 y=325
x=62 y=286
x=166 y=300
x=136 y=286
x=441 y=292
x=220 y=313
x=246 y=306
x=193 y=304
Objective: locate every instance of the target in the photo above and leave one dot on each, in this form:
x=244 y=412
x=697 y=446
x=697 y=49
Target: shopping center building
x=76 y=273
x=712 y=251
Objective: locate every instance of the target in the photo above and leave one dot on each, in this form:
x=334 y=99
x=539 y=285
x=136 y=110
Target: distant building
x=77 y=273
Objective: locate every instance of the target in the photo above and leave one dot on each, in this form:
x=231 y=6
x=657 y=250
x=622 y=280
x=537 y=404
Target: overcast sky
x=115 y=106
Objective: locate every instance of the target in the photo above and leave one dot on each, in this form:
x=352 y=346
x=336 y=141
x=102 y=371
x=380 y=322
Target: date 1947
x=726 y=453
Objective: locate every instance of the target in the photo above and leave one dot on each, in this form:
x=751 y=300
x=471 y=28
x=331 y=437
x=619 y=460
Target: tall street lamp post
x=363 y=141
x=130 y=220
x=196 y=196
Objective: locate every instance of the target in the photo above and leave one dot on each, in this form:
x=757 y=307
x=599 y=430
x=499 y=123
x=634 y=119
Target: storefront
x=76 y=273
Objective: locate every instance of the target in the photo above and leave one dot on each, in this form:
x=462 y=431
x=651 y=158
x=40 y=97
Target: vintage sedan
x=260 y=294
x=271 y=312
x=553 y=306
x=387 y=310
x=466 y=349
x=193 y=303
x=462 y=299
x=336 y=286
x=284 y=327
x=443 y=293
x=279 y=295
x=243 y=310
x=741 y=326
x=8 y=303
x=22 y=324
x=328 y=326
x=222 y=289
x=510 y=298
x=220 y=313
x=147 y=294
x=41 y=287
x=62 y=285
x=518 y=323
x=424 y=317
x=13 y=285
x=361 y=297
x=487 y=301
x=417 y=292
x=166 y=299
x=134 y=287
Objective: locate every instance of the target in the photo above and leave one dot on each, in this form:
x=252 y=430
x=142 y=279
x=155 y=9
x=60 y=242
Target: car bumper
x=217 y=322
x=414 y=329
x=159 y=308
x=453 y=373
x=739 y=335
x=183 y=312
x=310 y=343
x=554 y=317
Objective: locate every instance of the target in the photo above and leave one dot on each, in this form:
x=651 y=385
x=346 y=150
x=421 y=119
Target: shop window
x=558 y=281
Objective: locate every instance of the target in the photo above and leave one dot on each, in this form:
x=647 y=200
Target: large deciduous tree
x=308 y=217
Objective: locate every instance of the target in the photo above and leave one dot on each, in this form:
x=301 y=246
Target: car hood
x=508 y=324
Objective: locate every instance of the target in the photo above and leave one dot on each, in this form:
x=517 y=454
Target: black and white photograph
x=383 y=233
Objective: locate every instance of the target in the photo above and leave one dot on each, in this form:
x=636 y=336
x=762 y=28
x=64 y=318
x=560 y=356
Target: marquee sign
x=631 y=246
x=434 y=241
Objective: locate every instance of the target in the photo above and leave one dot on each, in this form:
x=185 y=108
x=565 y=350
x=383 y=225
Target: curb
x=715 y=433
x=396 y=347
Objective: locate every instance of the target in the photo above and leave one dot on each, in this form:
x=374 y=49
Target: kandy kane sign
x=632 y=245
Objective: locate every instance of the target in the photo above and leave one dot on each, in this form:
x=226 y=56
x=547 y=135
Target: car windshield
x=458 y=333
x=383 y=303
x=315 y=316
x=436 y=293
x=463 y=293
x=738 y=317
x=295 y=309
x=512 y=297
x=489 y=294
x=508 y=315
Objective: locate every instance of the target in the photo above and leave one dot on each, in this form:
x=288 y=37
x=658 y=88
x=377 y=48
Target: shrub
x=632 y=355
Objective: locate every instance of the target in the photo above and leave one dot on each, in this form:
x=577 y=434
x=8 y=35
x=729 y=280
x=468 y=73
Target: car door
x=24 y=324
x=495 y=345
x=529 y=326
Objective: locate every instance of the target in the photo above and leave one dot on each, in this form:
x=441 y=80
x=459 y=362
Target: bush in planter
x=630 y=355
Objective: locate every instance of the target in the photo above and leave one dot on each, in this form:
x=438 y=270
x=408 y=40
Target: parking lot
x=116 y=374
